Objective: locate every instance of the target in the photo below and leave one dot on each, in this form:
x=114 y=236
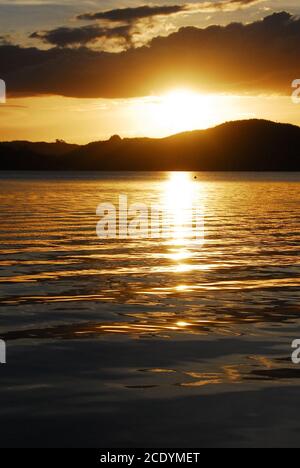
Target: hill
x=247 y=145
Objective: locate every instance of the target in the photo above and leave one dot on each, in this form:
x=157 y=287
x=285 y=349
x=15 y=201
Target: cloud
x=129 y=15
x=136 y=13
x=231 y=4
x=238 y=58
x=126 y=18
x=66 y=36
x=4 y=40
x=131 y=28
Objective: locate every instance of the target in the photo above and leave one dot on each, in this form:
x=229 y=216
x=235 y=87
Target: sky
x=85 y=70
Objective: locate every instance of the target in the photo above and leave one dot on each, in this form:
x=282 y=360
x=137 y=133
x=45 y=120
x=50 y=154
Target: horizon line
x=123 y=138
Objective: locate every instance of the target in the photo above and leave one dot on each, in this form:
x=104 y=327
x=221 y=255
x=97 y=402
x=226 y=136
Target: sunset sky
x=84 y=70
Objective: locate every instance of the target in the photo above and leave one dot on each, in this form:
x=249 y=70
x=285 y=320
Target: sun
x=182 y=109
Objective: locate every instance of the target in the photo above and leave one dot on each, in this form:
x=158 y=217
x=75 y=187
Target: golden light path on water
x=151 y=286
x=179 y=198
x=60 y=282
x=183 y=201
x=183 y=225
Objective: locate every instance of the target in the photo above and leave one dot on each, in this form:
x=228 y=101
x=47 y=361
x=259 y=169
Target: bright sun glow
x=179 y=196
x=182 y=110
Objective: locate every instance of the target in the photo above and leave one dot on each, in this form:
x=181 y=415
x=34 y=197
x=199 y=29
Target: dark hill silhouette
x=248 y=145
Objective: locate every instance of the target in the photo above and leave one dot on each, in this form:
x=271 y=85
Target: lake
x=150 y=342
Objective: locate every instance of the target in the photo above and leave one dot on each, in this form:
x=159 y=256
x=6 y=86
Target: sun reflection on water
x=179 y=198
x=182 y=201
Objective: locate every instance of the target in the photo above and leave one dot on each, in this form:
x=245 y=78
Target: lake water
x=150 y=342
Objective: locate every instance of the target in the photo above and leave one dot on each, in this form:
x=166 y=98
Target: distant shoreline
x=238 y=146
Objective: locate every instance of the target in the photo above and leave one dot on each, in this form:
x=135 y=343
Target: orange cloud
x=240 y=58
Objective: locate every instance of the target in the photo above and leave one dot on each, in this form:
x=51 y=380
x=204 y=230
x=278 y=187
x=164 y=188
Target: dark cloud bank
x=121 y=23
x=259 y=57
x=64 y=36
x=146 y=11
x=133 y=14
x=113 y=24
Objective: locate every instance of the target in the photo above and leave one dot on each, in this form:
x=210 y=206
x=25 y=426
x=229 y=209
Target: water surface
x=107 y=338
